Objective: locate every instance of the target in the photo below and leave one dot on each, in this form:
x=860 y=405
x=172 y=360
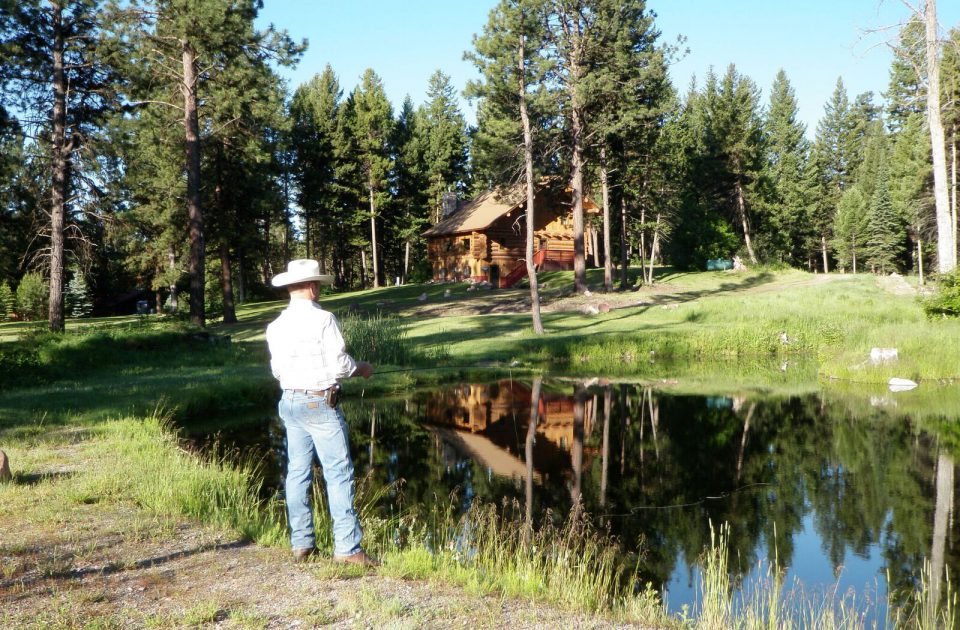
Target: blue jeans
x=313 y=427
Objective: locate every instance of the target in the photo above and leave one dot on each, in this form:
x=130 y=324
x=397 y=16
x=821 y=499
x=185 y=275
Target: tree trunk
x=744 y=224
x=854 y=252
x=528 y=172
x=174 y=297
x=226 y=284
x=953 y=183
x=528 y=452
x=607 y=257
x=605 y=448
x=373 y=239
x=643 y=241
x=61 y=166
x=624 y=258
x=823 y=250
x=191 y=125
x=920 y=258
x=941 y=514
x=406 y=261
x=648 y=274
x=946 y=242
x=576 y=450
x=363 y=268
x=241 y=283
x=322 y=258
x=576 y=184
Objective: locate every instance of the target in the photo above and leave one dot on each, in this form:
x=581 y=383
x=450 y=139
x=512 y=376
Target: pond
x=845 y=492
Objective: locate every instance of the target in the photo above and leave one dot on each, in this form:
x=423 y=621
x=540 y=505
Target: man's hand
x=364 y=369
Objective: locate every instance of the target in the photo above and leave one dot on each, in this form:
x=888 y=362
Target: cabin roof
x=480 y=212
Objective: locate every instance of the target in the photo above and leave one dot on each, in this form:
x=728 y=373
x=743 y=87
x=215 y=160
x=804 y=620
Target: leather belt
x=310 y=392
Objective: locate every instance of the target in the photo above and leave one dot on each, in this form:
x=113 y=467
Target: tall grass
x=141 y=461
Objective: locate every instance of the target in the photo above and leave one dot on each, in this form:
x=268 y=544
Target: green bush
x=78 y=299
x=379 y=339
x=8 y=302
x=946 y=302
x=32 y=294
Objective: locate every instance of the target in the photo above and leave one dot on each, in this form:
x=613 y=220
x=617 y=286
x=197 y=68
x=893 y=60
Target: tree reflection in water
x=818 y=485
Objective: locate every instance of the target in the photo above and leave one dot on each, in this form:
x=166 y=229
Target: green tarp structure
x=719 y=264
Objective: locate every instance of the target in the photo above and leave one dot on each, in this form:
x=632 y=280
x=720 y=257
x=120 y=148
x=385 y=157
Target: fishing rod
x=448 y=367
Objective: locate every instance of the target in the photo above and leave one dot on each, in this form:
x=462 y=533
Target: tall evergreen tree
x=735 y=127
x=515 y=103
x=633 y=93
x=373 y=127
x=851 y=228
x=444 y=140
x=411 y=185
x=785 y=225
x=833 y=156
x=885 y=244
x=314 y=110
x=54 y=64
x=170 y=49
x=910 y=185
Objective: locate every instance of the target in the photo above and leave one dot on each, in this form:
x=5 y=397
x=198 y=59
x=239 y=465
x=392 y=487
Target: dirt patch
x=116 y=566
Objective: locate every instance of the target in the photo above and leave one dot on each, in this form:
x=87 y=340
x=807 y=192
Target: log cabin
x=484 y=239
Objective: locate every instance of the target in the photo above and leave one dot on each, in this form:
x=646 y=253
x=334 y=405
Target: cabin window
x=543 y=243
x=466 y=243
x=466 y=271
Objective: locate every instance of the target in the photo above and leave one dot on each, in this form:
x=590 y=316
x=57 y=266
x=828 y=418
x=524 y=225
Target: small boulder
x=5 y=474
x=901 y=384
x=883 y=355
x=604 y=307
x=590 y=309
x=422 y=297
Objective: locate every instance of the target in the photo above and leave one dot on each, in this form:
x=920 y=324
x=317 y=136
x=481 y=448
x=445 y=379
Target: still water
x=847 y=493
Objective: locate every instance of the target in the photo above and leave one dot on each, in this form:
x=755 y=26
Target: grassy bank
x=102 y=395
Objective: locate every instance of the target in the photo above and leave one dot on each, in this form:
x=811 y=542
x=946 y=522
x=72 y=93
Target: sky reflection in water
x=840 y=494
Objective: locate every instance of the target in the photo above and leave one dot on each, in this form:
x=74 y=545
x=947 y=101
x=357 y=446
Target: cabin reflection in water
x=490 y=424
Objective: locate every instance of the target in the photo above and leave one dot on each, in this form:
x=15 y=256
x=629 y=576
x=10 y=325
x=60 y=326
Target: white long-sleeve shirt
x=307 y=350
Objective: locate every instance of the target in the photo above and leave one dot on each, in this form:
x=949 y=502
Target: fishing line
x=634 y=511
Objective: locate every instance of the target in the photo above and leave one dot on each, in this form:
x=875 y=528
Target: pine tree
x=79 y=303
x=171 y=51
x=54 y=62
x=633 y=93
x=411 y=197
x=443 y=132
x=373 y=127
x=314 y=111
x=32 y=294
x=7 y=302
x=833 y=157
x=784 y=222
x=517 y=111
x=910 y=192
x=885 y=244
x=851 y=227
x=735 y=126
x=906 y=93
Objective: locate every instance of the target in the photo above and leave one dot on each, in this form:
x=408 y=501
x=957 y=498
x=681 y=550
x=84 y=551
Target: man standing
x=308 y=356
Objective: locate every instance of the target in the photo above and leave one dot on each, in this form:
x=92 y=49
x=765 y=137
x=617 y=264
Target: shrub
x=8 y=302
x=946 y=302
x=32 y=294
x=78 y=297
x=379 y=338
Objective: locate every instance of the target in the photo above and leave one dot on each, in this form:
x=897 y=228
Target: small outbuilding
x=484 y=239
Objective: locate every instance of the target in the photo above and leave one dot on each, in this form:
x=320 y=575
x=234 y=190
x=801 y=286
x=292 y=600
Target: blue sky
x=814 y=41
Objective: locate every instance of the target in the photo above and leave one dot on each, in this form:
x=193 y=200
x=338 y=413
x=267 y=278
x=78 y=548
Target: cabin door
x=495 y=276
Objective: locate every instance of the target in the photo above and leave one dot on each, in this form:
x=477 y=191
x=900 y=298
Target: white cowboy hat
x=301 y=270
